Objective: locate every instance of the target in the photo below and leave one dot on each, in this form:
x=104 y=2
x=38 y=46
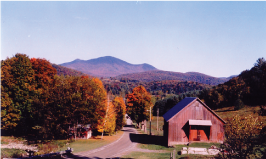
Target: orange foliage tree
x=34 y=100
x=139 y=103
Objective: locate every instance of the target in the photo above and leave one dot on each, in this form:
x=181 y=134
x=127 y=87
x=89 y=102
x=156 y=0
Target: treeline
x=165 y=104
x=248 y=88
x=158 y=75
x=160 y=89
x=35 y=100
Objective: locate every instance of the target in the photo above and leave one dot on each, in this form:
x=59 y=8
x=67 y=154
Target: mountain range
x=109 y=66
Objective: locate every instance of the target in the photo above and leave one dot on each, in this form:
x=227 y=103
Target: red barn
x=191 y=120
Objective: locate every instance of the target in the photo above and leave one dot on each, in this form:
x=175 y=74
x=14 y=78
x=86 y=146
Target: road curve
x=112 y=150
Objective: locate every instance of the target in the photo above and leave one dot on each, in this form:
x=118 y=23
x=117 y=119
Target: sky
x=215 y=38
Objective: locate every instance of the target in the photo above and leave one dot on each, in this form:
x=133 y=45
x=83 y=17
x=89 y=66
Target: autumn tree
x=43 y=81
x=242 y=136
x=120 y=110
x=75 y=100
x=108 y=124
x=17 y=84
x=139 y=103
x=248 y=87
x=10 y=115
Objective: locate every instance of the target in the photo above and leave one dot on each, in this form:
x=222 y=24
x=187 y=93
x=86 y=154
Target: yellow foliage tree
x=108 y=124
x=120 y=109
x=242 y=136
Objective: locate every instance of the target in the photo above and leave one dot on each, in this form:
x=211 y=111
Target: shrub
x=243 y=137
x=239 y=104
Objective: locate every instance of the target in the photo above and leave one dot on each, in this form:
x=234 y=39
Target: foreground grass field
x=57 y=145
x=92 y=143
x=167 y=153
x=228 y=113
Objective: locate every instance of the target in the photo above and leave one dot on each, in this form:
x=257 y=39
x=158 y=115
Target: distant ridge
x=107 y=66
x=158 y=75
x=61 y=70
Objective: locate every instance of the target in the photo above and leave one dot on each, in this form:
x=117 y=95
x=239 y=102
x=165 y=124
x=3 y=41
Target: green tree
x=18 y=84
x=239 y=104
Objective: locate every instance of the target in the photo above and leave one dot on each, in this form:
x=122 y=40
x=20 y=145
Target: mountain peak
x=107 y=66
x=107 y=59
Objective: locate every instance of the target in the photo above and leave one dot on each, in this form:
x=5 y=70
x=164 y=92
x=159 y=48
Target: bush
x=239 y=104
x=262 y=110
x=243 y=137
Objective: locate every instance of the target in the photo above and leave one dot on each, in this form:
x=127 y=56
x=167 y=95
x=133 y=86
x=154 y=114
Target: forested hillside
x=61 y=70
x=158 y=88
x=248 y=88
x=158 y=75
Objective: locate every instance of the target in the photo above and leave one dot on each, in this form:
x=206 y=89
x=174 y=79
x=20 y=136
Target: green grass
x=176 y=147
x=153 y=147
x=12 y=153
x=93 y=143
x=145 y=155
x=60 y=145
x=4 y=142
x=228 y=113
x=9 y=139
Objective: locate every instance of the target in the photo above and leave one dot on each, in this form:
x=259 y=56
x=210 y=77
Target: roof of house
x=179 y=106
x=182 y=104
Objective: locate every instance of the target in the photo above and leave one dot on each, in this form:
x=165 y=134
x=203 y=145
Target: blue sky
x=215 y=38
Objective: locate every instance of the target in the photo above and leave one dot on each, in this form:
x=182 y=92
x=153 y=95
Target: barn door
x=199 y=133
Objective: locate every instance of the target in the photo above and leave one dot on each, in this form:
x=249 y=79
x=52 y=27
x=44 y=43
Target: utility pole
x=150 y=120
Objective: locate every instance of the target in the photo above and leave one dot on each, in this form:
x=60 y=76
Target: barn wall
x=178 y=126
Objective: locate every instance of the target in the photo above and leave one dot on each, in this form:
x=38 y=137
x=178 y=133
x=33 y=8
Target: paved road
x=112 y=150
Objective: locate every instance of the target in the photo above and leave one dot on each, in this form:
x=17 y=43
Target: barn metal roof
x=182 y=104
x=179 y=106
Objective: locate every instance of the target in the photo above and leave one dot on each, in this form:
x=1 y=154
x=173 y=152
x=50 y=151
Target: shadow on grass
x=148 y=139
x=131 y=126
x=71 y=156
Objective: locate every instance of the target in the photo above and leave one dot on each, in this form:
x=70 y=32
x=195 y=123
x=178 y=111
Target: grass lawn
x=144 y=155
x=228 y=113
x=176 y=147
x=12 y=153
x=92 y=143
x=59 y=145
